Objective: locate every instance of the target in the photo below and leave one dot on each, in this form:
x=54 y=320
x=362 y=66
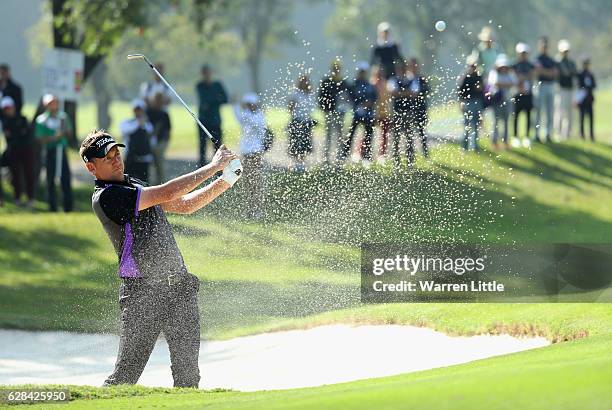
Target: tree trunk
x=103 y=96
x=254 y=73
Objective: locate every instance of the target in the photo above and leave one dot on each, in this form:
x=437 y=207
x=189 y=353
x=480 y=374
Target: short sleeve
x=120 y=203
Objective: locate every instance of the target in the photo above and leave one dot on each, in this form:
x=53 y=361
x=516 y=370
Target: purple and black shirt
x=143 y=240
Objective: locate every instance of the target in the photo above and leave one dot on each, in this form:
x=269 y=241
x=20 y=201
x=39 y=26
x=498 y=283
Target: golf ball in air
x=440 y=25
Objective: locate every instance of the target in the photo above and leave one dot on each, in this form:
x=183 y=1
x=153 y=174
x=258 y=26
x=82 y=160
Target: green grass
x=299 y=268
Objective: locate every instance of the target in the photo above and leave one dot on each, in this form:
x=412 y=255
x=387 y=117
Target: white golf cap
x=501 y=61
x=563 y=45
x=47 y=98
x=363 y=66
x=521 y=48
x=383 y=26
x=6 y=102
x=250 y=98
x=138 y=103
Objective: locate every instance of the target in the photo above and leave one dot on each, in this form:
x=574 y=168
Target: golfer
x=157 y=294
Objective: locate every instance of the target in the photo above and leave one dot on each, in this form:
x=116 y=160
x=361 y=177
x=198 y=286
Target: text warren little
x=431 y=286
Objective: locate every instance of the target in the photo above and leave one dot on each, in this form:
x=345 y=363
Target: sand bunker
x=279 y=360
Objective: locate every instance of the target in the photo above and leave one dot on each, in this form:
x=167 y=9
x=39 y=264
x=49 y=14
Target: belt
x=170 y=280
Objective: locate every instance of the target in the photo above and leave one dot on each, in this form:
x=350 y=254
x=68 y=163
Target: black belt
x=170 y=280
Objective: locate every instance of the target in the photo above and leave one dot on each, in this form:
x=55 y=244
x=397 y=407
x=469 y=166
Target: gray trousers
x=148 y=310
x=544 y=97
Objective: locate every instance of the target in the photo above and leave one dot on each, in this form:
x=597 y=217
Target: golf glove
x=232 y=172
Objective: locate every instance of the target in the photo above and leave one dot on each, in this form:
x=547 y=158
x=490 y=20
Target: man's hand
x=222 y=157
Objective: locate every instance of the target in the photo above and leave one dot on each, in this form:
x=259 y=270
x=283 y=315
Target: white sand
x=280 y=360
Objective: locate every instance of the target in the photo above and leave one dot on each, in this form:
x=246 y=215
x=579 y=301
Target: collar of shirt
x=125 y=181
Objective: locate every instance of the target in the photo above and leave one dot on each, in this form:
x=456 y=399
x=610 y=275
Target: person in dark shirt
x=410 y=91
x=211 y=95
x=20 y=150
x=363 y=96
x=332 y=87
x=564 y=103
x=9 y=88
x=546 y=73
x=386 y=52
x=471 y=96
x=161 y=131
x=523 y=99
x=585 y=97
x=137 y=133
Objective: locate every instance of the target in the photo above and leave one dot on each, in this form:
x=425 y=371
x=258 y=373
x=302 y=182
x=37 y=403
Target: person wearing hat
x=523 y=98
x=544 y=91
x=19 y=151
x=564 y=102
x=301 y=104
x=386 y=52
x=363 y=95
x=157 y=293
x=161 y=131
x=252 y=122
x=487 y=50
x=211 y=96
x=332 y=87
x=9 y=88
x=501 y=80
x=471 y=96
x=585 y=97
x=52 y=130
x=137 y=133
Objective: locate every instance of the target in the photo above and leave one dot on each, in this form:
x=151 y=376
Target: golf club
x=143 y=57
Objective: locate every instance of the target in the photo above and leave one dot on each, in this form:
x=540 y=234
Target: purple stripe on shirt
x=137 y=201
x=127 y=266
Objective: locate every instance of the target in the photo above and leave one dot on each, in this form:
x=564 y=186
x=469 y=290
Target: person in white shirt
x=251 y=118
x=137 y=134
x=149 y=89
x=301 y=106
x=501 y=80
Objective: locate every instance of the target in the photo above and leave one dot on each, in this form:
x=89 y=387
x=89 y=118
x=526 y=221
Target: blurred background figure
x=149 y=89
x=501 y=80
x=564 y=110
x=363 y=95
x=386 y=52
x=585 y=97
x=9 y=88
x=330 y=91
x=211 y=96
x=19 y=151
x=471 y=97
x=52 y=130
x=137 y=134
x=523 y=98
x=301 y=104
x=418 y=94
x=544 y=92
x=487 y=50
x=252 y=122
x=161 y=131
x=383 y=109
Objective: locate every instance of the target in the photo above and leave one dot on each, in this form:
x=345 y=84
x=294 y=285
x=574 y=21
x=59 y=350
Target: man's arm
x=193 y=201
x=179 y=186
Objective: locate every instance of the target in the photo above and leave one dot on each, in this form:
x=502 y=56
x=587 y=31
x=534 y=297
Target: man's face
x=543 y=46
x=206 y=75
x=9 y=111
x=523 y=56
x=109 y=168
x=53 y=106
x=4 y=74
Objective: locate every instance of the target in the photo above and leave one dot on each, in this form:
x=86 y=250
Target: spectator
x=149 y=89
x=161 y=131
x=301 y=106
x=487 y=50
x=252 y=147
x=331 y=89
x=410 y=92
x=544 y=92
x=386 y=53
x=523 y=99
x=9 y=88
x=52 y=130
x=565 y=98
x=585 y=97
x=383 y=109
x=211 y=95
x=363 y=95
x=471 y=96
x=20 y=151
x=137 y=134
x=501 y=81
